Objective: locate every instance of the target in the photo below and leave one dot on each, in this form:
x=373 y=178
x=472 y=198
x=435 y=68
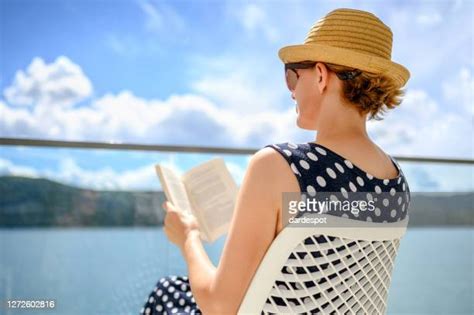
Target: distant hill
x=427 y=209
x=38 y=202
x=43 y=202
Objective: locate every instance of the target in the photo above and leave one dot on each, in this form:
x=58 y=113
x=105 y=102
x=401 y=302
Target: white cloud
x=180 y=119
x=141 y=178
x=237 y=90
x=254 y=20
x=249 y=87
x=192 y=119
x=423 y=49
x=439 y=177
x=9 y=168
x=429 y=19
x=17 y=122
x=70 y=172
x=245 y=120
x=422 y=127
x=60 y=83
x=162 y=18
x=459 y=91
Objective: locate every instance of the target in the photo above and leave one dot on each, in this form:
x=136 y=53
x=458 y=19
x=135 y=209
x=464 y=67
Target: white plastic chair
x=345 y=267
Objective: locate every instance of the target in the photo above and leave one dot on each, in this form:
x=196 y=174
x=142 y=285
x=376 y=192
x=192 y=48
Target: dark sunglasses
x=292 y=76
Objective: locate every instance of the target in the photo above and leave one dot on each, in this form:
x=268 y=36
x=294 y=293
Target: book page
x=174 y=188
x=212 y=192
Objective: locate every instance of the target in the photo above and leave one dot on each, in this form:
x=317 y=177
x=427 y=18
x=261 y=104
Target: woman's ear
x=321 y=76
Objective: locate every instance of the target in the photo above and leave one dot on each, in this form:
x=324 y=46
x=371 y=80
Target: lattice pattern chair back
x=343 y=268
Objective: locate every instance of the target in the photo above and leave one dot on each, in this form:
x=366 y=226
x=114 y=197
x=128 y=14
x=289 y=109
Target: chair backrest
x=343 y=267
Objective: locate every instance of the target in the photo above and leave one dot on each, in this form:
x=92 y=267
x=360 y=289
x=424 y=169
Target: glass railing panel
x=82 y=227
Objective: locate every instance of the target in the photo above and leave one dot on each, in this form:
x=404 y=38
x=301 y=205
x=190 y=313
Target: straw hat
x=351 y=38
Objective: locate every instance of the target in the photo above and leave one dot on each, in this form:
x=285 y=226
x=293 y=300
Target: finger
x=171 y=208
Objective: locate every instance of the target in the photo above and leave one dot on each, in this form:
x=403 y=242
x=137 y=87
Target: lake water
x=111 y=271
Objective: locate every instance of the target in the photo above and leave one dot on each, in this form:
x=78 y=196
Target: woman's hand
x=177 y=224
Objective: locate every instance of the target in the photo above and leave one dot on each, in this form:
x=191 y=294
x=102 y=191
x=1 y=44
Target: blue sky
x=207 y=73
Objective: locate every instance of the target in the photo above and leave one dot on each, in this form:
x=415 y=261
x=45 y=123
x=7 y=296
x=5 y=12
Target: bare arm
x=221 y=290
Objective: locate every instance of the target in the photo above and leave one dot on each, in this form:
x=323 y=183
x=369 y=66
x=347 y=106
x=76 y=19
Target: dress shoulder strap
x=298 y=158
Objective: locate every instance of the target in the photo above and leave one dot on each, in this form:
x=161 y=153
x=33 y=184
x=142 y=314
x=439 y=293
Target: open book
x=207 y=191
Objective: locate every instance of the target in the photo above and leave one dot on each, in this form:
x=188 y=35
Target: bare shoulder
x=266 y=153
x=274 y=169
x=269 y=162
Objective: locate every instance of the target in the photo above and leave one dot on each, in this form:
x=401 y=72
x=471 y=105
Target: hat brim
x=345 y=57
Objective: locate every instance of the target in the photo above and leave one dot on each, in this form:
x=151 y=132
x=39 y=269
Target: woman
x=339 y=77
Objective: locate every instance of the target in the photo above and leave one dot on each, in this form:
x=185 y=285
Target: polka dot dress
x=171 y=295
x=321 y=170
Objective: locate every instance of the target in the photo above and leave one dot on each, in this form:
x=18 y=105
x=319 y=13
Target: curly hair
x=370 y=93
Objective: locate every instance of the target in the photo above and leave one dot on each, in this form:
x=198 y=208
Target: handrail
x=187 y=149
